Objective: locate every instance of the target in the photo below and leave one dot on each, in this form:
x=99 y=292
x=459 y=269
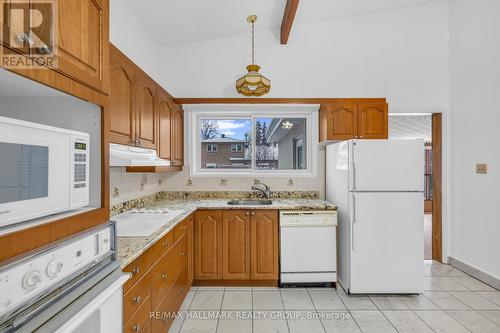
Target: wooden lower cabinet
x=236 y=245
x=208 y=245
x=159 y=283
x=264 y=240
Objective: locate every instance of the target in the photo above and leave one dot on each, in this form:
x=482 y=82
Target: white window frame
x=251 y=112
x=214 y=145
x=236 y=145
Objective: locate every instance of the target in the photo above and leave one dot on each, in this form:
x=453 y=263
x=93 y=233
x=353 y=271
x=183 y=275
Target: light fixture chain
x=253 y=44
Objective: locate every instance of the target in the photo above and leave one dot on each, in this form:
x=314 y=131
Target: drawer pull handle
x=164 y=276
x=136 y=328
x=135 y=270
x=182 y=254
x=165 y=244
x=136 y=299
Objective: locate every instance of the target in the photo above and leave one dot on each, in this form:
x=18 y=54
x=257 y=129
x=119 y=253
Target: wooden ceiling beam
x=288 y=17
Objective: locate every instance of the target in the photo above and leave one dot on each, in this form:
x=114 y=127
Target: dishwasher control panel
x=308 y=218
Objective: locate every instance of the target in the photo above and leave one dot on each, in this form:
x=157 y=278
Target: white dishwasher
x=308 y=244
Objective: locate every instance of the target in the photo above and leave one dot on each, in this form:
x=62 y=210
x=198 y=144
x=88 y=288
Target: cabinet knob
x=253 y=213
x=136 y=328
x=247 y=213
x=164 y=276
x=182 y=254
x=165 y=244
x=135 y=270
x=136 y=299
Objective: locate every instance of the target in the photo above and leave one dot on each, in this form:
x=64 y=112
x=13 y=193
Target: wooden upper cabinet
x=146 y=125
x=121 y=101
x=264 y=245
x=208 y=245
x=164 y=126
x=236 y=245
x=372 y=121
x=178 y=136
x=83 y=41
x=338 y=121
x=356 y=119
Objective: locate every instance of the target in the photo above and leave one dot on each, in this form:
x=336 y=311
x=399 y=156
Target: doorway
x=427 y=127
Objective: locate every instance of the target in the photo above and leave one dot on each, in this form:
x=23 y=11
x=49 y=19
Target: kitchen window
x=260 y=143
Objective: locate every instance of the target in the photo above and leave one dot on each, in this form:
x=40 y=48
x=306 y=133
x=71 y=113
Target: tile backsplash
x=128 y=186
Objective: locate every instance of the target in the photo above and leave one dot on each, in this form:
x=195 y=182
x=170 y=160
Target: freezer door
x=387 y=243
x=386 y=165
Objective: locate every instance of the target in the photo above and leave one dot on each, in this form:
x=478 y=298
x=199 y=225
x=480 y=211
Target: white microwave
x=43 y=170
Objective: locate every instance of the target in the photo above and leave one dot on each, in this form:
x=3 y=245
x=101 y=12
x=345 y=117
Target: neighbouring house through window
x=249 y=143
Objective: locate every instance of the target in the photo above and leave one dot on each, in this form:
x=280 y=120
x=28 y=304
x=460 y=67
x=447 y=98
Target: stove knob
x=31 y=279
x=54 y=268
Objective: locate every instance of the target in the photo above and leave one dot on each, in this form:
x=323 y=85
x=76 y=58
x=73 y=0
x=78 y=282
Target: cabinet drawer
x=161 y=247
x=136 y=295
x=181 y=229
x=171 y=302
x=139 y=320
x=137 y=268
x=162 y=278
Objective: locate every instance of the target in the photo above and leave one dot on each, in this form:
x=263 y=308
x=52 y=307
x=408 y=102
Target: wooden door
x=236 y=245
x=83 y=35
x=121 y=99
x=178 y=136
x=208 y=245
x=338 y=121
x=373 y=121
x=165 y=124
x=147 y=118
x=264 y=245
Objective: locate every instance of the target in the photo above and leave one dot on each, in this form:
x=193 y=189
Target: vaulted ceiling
x=182 y=21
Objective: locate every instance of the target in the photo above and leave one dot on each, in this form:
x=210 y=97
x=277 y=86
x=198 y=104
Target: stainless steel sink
x=250 y=202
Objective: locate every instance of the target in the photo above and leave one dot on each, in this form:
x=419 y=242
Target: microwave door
x=34 y=173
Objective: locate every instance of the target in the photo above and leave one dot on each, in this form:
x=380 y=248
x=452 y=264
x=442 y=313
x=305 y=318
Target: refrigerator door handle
x=354 y=176
x=353 y=241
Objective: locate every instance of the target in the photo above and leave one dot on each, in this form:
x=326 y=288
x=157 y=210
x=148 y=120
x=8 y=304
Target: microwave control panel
x=80 y=170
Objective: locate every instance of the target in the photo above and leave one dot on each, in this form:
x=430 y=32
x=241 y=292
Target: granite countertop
x=130 y=248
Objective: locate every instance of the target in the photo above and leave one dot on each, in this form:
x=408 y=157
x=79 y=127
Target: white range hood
x=120 y=156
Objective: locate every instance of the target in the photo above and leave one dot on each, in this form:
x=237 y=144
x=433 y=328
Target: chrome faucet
x=266 y=191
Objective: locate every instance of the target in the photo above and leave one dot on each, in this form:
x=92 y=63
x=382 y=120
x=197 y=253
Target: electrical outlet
x=482 y=169
x=223 y=182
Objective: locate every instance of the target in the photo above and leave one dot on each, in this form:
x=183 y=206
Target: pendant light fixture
x=253 y=83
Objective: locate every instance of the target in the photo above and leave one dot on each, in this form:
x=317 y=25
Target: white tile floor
x=453 y=302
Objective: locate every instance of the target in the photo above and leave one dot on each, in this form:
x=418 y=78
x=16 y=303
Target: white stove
x=38 y=289
x=143 y=222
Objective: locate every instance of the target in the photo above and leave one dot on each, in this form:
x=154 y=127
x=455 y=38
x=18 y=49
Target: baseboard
x=472 y=271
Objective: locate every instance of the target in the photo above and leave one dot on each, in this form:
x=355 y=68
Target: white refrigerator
x=378 y=187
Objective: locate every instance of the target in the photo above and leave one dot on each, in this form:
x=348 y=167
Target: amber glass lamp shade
x=253 y=83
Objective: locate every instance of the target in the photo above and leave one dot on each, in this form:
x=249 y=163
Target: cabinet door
x=11 y=26
x=373 y=121
x=121 y=100
x=264 y=245
x=165 y=124
x=208 y=245
x=146 y=125
x=83 y=41
x=236 y=245
x=190 y=250
x=178 y=136
x=338 y=121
